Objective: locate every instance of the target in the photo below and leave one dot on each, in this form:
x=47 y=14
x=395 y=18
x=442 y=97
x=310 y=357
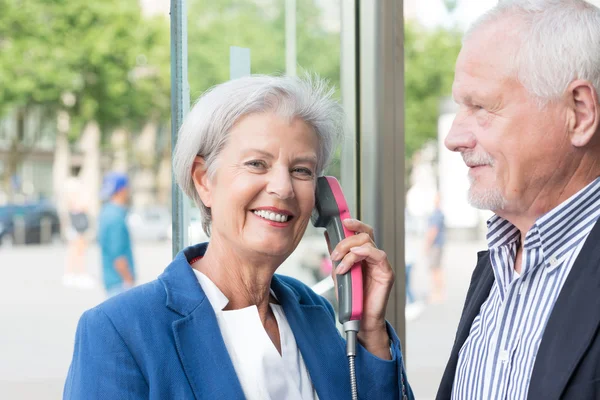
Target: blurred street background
x=85 y=88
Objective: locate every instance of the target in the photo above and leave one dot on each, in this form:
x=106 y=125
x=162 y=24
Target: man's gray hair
x=559 y=42
x=206 y=128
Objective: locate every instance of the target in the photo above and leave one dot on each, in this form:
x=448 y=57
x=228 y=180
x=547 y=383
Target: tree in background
x=31 y=77
x=121 y=61
x=429 y=57
x=213 y=27
x=97 y=62
x=103 y=63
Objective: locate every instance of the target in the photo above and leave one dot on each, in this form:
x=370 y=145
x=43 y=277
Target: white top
x=263 y=373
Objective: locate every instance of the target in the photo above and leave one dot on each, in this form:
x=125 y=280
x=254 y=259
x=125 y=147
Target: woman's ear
x=201 y=181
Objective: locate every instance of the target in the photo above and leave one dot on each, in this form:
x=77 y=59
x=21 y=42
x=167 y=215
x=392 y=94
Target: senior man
x=527 y=81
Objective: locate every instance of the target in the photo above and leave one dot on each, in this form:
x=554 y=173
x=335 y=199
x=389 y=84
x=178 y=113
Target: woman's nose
x=280 y=183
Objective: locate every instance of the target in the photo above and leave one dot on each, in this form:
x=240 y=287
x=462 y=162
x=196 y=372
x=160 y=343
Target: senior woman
x=219 y=323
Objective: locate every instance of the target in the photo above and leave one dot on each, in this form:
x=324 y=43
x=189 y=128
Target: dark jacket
x=567 y=365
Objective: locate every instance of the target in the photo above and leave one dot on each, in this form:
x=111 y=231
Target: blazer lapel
x=204 y=356
x=479 y=291
x=199 y=342
x=572 y=325
x=319 y=341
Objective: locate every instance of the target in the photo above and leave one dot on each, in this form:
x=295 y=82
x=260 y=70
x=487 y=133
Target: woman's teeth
x=271 y=216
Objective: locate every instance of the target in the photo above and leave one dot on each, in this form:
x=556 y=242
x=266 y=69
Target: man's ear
x=584 y=117
x=201 y=181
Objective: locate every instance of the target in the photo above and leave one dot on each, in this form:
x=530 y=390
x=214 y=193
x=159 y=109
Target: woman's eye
x=305 y=172
x=256 y=164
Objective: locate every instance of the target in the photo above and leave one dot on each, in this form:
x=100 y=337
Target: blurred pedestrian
x=113 y=235
x=76 y=234
x=435 y=239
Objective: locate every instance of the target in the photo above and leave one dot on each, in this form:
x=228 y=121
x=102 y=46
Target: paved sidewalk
x=429 y=337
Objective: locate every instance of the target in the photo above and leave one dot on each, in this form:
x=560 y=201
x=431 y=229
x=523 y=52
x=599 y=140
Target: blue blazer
x=161 y=340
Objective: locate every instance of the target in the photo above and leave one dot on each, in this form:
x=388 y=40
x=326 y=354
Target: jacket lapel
x=204 y=356
x=572 y=325
x=200 y=346
x=319 y=341
x=479 y=290
x=481 y=286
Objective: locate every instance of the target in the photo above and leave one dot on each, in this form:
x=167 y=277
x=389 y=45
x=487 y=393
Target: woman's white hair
x=206 y=128
x=559 y=42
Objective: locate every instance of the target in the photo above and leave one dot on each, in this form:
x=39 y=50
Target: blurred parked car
x=150 y=223
x=34 y=223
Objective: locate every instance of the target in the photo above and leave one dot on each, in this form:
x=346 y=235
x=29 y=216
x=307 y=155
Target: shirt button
x=503 y=356
x=553 y=261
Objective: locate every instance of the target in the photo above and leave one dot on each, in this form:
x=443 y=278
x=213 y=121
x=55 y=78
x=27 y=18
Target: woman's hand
x=378 y=279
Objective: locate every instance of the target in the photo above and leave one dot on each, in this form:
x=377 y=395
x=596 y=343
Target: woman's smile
x=273 y=219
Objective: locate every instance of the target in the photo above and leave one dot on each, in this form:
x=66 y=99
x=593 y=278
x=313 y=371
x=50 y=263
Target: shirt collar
x=501 y=232
x=217 y=299
x=502 y=237
x=550 y=228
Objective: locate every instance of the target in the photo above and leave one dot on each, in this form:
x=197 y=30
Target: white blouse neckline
x=263 y=372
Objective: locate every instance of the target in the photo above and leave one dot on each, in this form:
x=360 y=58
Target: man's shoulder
x=437 y=215
x=110 y=215
x=110 y=210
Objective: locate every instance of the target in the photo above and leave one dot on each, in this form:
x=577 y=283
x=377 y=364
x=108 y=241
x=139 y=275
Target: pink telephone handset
x=329 y=212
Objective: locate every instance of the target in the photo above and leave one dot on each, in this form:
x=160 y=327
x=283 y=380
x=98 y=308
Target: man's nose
x=280 y=183
x=460 y=137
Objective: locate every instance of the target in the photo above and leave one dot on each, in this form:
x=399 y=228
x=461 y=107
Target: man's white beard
x=486 y=199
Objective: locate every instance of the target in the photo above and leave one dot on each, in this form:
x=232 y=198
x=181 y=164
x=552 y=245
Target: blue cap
x=112 y=183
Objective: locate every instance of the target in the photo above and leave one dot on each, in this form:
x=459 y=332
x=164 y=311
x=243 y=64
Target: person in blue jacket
x=219 y=323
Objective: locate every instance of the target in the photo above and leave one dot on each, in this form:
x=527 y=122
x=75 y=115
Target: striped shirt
x=497 y=359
